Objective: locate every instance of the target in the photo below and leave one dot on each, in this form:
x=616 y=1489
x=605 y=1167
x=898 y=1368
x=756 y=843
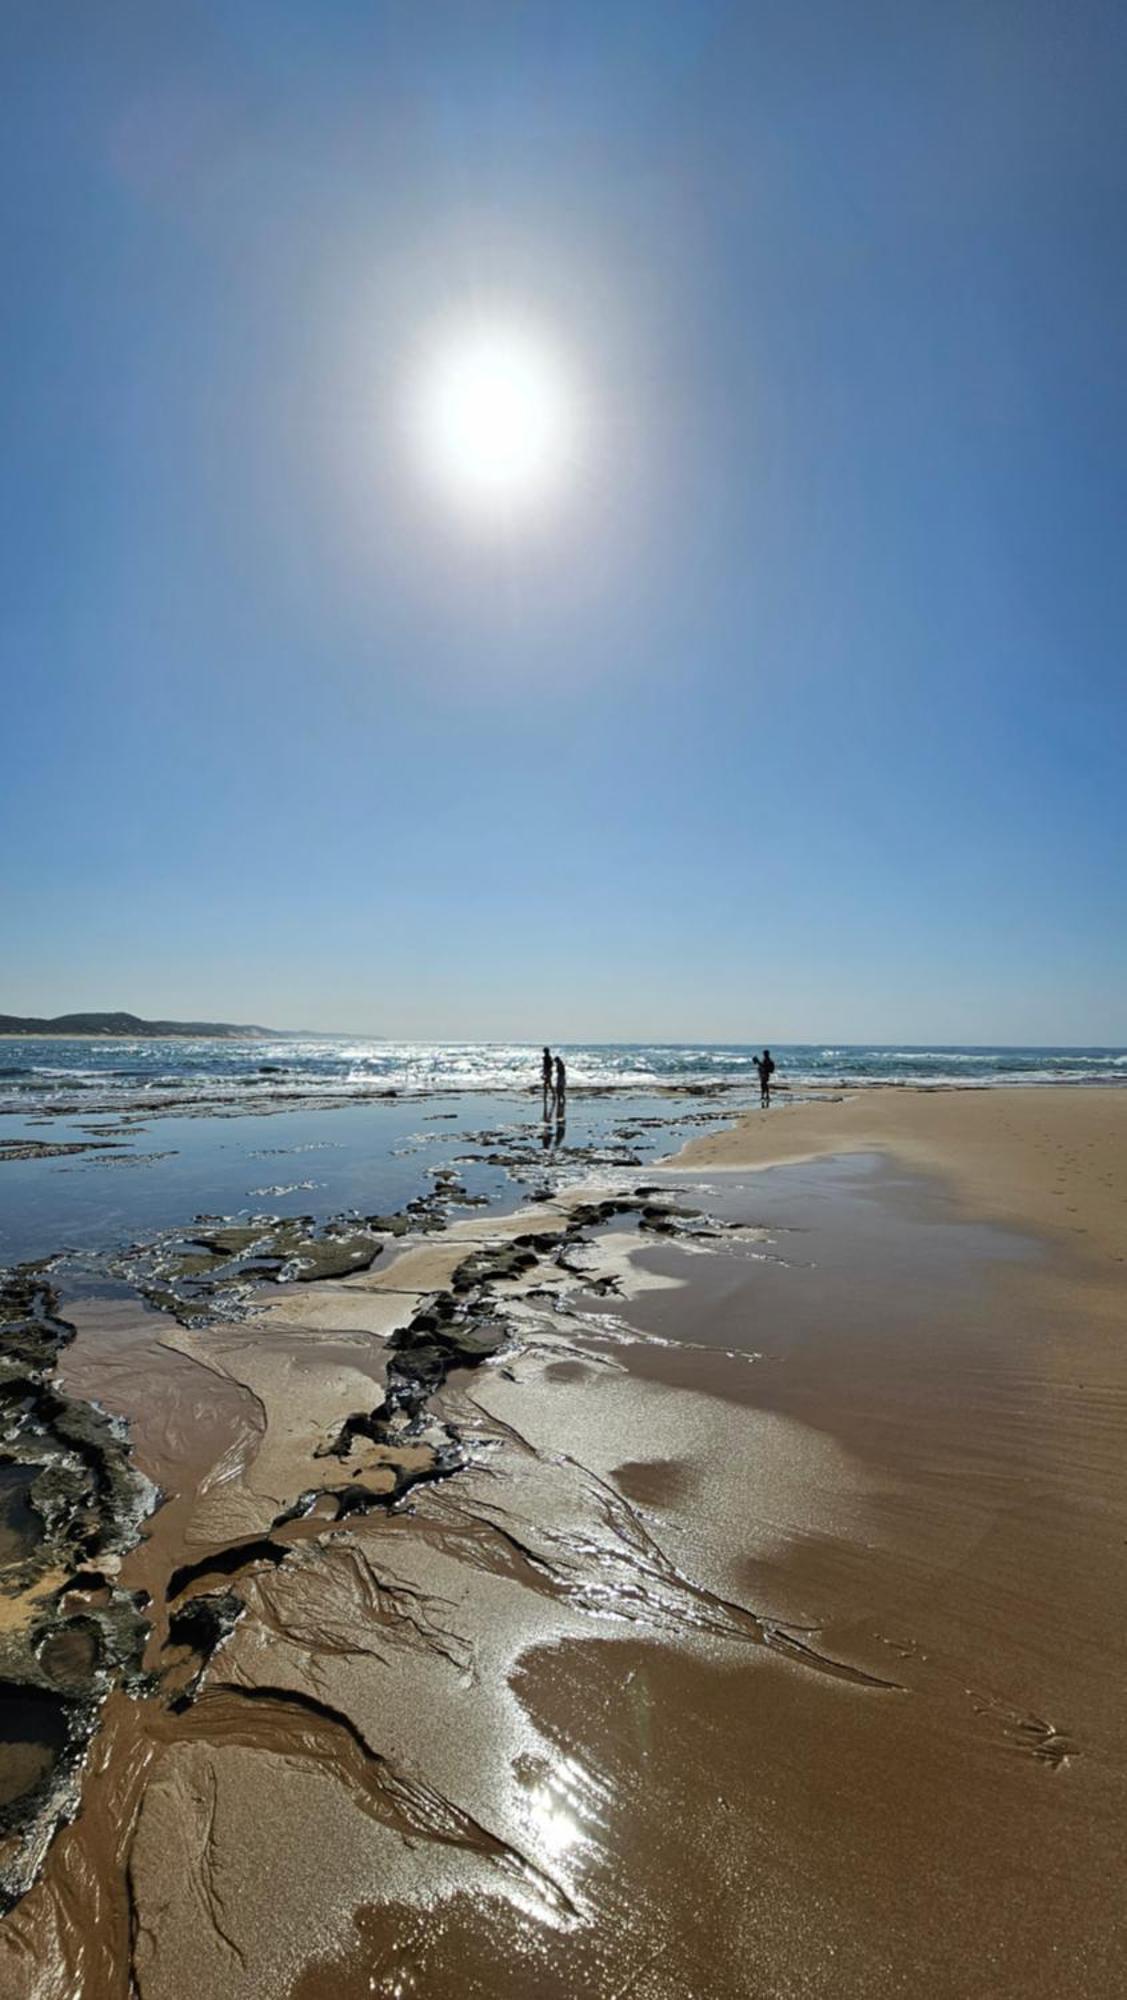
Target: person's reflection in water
x=554 y=1135
x=561 y=1102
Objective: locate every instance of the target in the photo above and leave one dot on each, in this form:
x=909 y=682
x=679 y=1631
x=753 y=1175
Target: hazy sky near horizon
x=800 y=712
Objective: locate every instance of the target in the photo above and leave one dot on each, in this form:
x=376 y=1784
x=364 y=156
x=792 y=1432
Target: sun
x=497 y=418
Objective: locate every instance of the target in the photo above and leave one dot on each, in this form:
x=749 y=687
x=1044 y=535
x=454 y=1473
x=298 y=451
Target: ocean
x=107 y=1143
x=91 y=1075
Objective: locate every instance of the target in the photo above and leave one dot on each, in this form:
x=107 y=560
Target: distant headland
x=129 y=1027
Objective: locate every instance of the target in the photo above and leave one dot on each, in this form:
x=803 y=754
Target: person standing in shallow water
x=561 y=1088
x=546 y=1078
x=766 y=1067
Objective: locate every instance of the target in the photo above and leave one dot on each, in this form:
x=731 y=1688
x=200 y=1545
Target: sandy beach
x=1050 y=1159
x=704 y=1581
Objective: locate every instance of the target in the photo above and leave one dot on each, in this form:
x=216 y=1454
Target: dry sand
x=769 y=1643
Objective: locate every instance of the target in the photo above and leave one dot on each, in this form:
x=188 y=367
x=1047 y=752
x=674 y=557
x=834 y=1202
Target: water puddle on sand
x=21 y=1529
x=33 y=1732
x=830 y=1259
x=69 y=1656
x=33 y=1726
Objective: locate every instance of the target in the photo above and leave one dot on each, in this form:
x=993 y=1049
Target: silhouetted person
x=546 y=1078
x=766 y=1067
x=561 y=1088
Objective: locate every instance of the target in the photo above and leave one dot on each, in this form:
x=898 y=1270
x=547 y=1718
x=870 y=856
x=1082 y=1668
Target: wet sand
x=1048 y=1158
x=747 y=1622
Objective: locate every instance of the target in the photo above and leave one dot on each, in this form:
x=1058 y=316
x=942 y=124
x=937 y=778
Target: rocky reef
x=71 y=1504
x=213 y=1268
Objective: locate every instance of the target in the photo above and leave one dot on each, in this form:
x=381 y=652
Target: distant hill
x=129 y=1025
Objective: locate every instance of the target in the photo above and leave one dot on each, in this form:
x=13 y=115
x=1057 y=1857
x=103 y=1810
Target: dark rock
x=204 y=1621
x=226 y=1561
x=59 y=1654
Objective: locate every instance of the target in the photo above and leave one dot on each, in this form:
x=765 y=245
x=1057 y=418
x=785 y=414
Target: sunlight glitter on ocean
x=111 y=1075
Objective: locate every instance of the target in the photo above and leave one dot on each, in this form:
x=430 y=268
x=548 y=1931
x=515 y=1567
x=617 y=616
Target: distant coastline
x=126 y=1027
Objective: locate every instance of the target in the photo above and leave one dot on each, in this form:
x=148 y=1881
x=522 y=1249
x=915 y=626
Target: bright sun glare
x=497 y=418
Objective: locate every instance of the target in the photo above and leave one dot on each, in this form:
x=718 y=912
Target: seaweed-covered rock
x=334 y=1257
x=233 y=1240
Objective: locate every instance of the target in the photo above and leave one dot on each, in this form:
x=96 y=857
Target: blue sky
x=803 y=714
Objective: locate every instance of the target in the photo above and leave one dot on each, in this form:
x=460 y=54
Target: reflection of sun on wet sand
x=749 y=1621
